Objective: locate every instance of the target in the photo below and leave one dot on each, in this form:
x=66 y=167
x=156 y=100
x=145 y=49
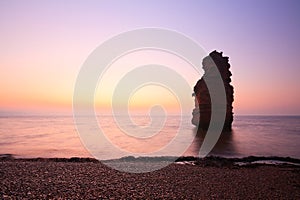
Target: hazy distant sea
x=56 y=136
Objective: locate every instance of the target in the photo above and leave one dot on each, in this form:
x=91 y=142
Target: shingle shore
x=86 y=179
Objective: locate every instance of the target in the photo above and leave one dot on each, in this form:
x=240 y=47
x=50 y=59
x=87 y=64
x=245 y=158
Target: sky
x=43 y=45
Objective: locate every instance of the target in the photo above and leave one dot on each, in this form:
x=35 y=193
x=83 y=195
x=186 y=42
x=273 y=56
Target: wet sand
x=90 y=179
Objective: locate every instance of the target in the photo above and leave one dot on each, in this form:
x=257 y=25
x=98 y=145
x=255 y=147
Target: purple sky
x=44 y=43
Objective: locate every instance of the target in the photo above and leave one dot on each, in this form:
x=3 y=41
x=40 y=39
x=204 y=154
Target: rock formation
x=202 y=111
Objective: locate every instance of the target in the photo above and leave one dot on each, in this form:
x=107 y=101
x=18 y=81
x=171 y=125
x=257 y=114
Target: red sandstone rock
x=202 y=111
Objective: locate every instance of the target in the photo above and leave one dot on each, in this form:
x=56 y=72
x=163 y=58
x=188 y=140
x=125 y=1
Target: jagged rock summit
x=202 y=111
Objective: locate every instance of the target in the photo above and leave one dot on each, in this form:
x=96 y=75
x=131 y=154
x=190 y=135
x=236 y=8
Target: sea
x=51 y=136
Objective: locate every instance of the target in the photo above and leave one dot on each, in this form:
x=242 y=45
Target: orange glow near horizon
x=44 y=45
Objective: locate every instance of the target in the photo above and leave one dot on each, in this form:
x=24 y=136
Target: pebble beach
x=91 y=179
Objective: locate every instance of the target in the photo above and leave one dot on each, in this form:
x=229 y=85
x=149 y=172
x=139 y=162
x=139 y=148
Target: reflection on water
x=56 y=136
x=257 y=136
x=225 y=145
x=40 y=136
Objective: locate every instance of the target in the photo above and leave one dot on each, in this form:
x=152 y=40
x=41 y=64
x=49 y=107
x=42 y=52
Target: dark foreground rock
x=86 y=179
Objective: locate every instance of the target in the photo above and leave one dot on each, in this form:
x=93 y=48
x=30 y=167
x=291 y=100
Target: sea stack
x=202 y=111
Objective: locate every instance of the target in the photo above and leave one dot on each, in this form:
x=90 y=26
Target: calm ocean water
x=56 y=136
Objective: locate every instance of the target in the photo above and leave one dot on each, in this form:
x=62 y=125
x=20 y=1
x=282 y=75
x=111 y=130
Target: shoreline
x=206 y=161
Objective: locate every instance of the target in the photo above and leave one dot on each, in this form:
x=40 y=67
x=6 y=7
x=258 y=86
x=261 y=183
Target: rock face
x=202 y=111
